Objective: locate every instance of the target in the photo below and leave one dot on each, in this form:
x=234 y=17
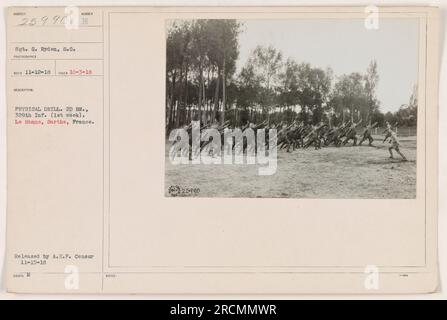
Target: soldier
x=367 y=134
x=283 y=139
x=291 y=136
x=323 y=131
x=305 y=130
x=352 y=133
x=298 y=135
x=314 y=136
x=334 y=136
x=394 y=145
x=388 y=130
x=344 y=128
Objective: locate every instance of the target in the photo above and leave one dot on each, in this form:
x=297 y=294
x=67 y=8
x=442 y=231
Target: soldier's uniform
x=387 y=132
x=298 y=137
x=395 y=144
x=290 y=136
x=334 y=137
x=315 y=139
x=367 y=135
x=351 y=134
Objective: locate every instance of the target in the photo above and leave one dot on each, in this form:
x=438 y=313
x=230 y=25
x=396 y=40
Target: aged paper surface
x=98 y=101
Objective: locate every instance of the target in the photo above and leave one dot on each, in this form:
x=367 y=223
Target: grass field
x=345 y=172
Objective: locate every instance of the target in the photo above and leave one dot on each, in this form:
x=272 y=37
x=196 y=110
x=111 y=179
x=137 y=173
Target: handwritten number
x=24 y=22
x=44 y=20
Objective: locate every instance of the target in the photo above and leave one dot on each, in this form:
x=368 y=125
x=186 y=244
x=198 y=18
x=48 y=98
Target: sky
x=346 y=46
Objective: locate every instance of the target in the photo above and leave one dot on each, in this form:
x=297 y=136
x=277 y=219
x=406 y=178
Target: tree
x=228 y=39
x=201 y=58
x=249 y=84
x=289 y=94
x=177 y=50
x=390 y=118
x=199 y=50
x=264 y=64
x=314 y=85
x=407 y=113
x=371 y=81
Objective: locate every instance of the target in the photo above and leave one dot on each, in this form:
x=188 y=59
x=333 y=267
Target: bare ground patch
x=346 y=172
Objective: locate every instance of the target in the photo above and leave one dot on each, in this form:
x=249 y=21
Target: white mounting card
x=222 y=150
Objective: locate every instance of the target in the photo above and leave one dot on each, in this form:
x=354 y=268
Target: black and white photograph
x=327 y=107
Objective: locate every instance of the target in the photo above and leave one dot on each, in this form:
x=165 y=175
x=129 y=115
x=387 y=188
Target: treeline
x=201 y=83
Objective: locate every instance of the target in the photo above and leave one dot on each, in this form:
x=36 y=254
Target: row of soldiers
x=301 y=135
